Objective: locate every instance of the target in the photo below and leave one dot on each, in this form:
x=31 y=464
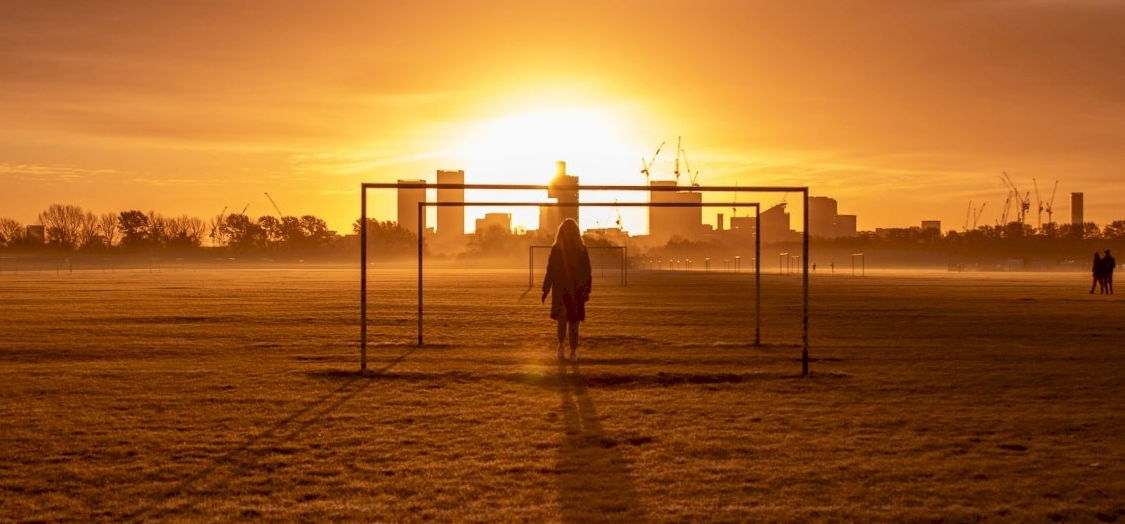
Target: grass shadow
x=594 y=481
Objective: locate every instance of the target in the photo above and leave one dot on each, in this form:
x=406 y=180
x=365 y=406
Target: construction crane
x=976 y=215
x=1039 y=202
x=275 y=208
x=676 y=171
x=1023 y=203
x=1004 y=215
x=1049 y=208
x=968 y=215
x=693 y=175
x=645 y=166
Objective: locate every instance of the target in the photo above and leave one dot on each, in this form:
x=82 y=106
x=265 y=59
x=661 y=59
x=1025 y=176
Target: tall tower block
x=562 y=189
x=1077 y=208
x=408 y=199
x=450 y=219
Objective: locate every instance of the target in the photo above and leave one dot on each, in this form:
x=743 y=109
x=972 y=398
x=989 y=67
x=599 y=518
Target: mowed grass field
x=233 y=395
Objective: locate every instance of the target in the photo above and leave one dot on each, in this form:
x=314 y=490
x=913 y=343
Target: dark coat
x=571 y=282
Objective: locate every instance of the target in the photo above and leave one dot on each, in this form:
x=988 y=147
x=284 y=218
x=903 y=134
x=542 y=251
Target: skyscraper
x=561 y=188
x=822 y=216
x=665 y=223
x=1077 y=211
x=450 y=219
x=408 y=199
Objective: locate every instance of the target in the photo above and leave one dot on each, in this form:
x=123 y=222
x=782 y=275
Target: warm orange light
x=521 y=148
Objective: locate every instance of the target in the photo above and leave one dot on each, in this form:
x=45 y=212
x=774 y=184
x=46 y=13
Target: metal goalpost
x=803 y=190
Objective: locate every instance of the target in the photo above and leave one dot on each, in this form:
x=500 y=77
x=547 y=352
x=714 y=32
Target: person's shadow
x=594 y=482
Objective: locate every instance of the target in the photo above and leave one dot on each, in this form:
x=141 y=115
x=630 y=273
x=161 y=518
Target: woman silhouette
x=568 y=275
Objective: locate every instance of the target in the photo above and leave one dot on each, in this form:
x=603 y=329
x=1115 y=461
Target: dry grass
x=187 y=396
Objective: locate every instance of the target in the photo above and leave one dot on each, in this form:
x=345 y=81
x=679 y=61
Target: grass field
x=205 y=395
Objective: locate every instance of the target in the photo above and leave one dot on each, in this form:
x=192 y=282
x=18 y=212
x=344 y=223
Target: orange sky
x=901 y=110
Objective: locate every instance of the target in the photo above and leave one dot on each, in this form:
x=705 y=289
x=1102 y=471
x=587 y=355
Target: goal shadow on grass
x=237 y=462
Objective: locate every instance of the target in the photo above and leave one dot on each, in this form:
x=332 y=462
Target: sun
x=597 y=143
x=522 y=148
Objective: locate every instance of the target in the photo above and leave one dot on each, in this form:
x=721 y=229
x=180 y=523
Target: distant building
x=822 y=217
x=1077 y=211
x=719 y=222
x=562 y=189
x=494 y=220
x=665 y=223
x=613 y=235
x=450 y=219
x=408 y=199
x=775 y=225
x=846 y=226
x=931 y=225
x=36 y=235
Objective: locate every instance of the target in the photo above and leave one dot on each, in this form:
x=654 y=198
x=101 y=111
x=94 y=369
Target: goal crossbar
x=803 y=190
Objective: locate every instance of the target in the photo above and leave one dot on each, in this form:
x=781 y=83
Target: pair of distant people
x=1103 y=273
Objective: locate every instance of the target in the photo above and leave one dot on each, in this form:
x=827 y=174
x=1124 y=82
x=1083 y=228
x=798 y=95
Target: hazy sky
x=903 y=111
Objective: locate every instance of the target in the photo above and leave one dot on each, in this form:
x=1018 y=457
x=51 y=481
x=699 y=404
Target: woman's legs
x=561 y=333
x=562 y=330
x=573 y=330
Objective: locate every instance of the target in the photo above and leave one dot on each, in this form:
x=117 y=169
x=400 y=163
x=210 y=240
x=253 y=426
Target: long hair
x=568 y=237
x=568 y=240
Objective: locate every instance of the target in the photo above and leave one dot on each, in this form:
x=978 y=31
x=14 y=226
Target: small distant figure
x=832 y=266
x=569 y=277
x=1109 y=264
x=814 y=267
x=1097 y=269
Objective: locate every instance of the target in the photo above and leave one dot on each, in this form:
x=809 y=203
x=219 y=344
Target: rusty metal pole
x=421 y=217
x=757 y=275
x=362 y=279
x=625 y=266
x=805 y=292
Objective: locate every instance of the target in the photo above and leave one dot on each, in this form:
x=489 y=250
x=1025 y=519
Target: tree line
x=71 y=228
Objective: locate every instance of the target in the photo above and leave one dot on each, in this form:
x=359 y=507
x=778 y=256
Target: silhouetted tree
x=107 y=228
x=184 y=231
x=271 y=226
x=88 y=234
x=388 y=237
x=1114 y=230
x=315 y=231
x=157 y=229
x=134 y=228
x=242 y=233
x=62 y=224
x=11 y=232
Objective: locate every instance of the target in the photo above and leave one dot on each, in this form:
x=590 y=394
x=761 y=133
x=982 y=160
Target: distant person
x=1109 y=263
x=569 y=276
x=832 y=266
x=814 y=267
x=1097 y=269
